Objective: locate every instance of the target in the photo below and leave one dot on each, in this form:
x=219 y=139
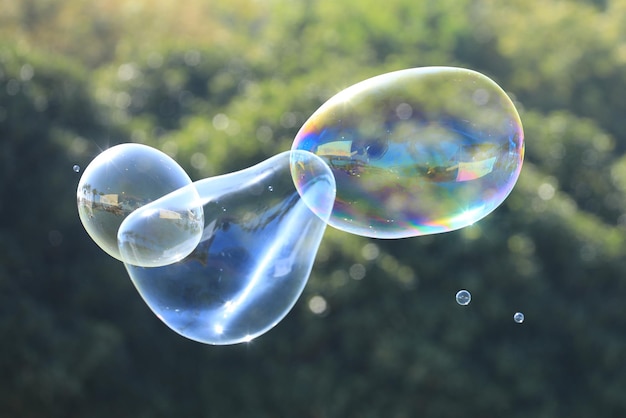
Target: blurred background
x=221 y=85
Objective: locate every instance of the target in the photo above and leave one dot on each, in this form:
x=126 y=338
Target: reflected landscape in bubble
x=164 y=231
x=417 y=151
x=120 y=180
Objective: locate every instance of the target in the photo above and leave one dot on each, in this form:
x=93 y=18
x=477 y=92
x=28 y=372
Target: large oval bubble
x=416 y=152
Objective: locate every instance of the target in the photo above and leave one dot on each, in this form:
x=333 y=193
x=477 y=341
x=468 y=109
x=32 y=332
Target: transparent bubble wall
x=255 y=254
x=417 y=151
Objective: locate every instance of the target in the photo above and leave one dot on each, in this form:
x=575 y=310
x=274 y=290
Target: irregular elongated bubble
x=120 y=180
x=255 y=255
x=417 y=151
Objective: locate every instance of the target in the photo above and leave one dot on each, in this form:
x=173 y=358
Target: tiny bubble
x=76 y=168
x=270 y=188
x=463 y=297
x=518 y=317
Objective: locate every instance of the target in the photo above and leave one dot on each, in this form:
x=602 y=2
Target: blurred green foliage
x=222 y=85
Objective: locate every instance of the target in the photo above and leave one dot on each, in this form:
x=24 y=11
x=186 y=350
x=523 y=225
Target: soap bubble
x=164 y=231
x=120 y=180
x=463 y=297
x=255 y=253
x=417 y=151
x=518 y=317
x=76 y=168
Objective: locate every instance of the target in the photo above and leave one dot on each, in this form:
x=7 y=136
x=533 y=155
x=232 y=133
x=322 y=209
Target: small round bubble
x=518 y=317
x=463 y=297
x=164 y=231
x=417 y=151
x=118 y=181
x=76 y=168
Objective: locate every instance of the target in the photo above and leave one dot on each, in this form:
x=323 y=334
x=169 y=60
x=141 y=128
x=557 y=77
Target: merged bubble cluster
x=417 y=151
x=223 y=260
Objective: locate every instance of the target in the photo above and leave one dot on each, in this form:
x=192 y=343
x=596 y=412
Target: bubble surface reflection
x=417 y=151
